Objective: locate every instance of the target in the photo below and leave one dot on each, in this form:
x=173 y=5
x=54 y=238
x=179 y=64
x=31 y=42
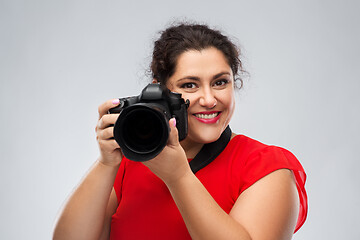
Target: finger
x=174 y=135
x=105 y=134
x=104 y=108
x=108 y=145
x=107 y=120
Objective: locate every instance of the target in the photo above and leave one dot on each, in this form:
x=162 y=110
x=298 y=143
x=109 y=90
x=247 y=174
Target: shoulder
x=243 y=147
x=249 y=150
x=253 y=160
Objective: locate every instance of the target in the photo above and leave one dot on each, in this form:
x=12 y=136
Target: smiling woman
x=206 y=79
x=250 y=191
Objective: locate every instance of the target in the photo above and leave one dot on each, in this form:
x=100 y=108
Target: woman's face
x=206 y=79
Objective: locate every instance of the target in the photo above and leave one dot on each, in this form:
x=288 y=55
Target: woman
x=250 y=191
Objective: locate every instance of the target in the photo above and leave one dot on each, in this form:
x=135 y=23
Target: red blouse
x=147 y=211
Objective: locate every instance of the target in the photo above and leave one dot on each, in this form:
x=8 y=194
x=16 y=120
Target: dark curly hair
x=182 y=37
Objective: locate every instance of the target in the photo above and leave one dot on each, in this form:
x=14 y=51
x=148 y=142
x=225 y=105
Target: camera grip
x=181 y=120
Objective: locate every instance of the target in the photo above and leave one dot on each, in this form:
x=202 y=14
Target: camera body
x=142 y=128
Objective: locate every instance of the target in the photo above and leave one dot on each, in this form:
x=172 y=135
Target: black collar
x=210 y=151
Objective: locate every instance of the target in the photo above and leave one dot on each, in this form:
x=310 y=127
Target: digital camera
x=142 y=128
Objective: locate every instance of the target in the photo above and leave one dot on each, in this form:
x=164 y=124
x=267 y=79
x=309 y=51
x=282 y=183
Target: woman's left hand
x=171 y=164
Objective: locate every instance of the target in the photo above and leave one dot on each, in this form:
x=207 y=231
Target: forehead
x=209 y=60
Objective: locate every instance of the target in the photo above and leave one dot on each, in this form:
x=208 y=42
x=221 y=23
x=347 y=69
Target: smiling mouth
x=206 y=116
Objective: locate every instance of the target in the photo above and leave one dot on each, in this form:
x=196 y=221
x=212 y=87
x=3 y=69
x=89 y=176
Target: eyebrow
x=220 y=74
x=198 y=79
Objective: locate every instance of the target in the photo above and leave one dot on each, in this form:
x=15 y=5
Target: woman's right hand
x=110 y=152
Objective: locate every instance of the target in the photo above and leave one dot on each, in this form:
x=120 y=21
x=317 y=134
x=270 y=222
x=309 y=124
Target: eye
x=188 y=85
x=221 y=82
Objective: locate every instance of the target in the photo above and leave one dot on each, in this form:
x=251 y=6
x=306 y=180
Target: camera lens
x=144 y=132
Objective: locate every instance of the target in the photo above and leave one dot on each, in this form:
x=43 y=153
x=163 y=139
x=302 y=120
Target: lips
x=207 y=117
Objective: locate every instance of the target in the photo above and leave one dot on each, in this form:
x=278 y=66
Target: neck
x=191 y=148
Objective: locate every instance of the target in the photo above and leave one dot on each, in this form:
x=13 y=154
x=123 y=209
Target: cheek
x=229 y=102
x=231 y=108
x=227 y=97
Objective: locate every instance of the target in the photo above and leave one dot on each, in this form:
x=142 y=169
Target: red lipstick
x=207 y=120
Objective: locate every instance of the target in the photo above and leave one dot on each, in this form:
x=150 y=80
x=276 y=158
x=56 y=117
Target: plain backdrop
x=60 y=59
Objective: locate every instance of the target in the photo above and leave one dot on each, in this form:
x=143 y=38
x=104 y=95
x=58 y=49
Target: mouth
x=207 y=117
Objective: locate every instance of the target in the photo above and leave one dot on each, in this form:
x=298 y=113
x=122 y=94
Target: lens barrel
x=142 y=131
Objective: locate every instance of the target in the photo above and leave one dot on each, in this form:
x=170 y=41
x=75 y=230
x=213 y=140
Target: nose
x=207 y=99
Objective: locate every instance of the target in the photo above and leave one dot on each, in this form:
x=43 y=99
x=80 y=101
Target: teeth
x=206 y=116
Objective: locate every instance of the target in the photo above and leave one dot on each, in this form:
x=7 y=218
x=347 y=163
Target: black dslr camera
x=142 y=129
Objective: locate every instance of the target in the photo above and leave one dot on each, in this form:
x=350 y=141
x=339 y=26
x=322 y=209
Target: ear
x=155 y=81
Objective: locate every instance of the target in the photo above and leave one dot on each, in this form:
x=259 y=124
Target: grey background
x=60 y=59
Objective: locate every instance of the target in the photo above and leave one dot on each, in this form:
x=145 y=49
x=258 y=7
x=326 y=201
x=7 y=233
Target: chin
x=205 y=136
x=206 y=133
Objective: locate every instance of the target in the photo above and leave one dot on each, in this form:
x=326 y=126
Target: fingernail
x=116 y=101
x=174 y=122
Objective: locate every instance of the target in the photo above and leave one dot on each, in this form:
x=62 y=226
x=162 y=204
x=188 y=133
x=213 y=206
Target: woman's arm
x=266 y=210
x=270 y=207
x=110 y=211
x=83 y=215
x=88 y=210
